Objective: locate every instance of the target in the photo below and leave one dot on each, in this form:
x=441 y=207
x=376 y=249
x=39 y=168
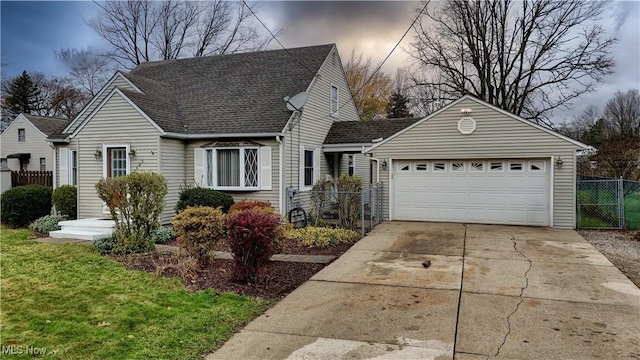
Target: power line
x=276 y=39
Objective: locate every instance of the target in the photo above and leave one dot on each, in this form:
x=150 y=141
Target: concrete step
x=78 y=234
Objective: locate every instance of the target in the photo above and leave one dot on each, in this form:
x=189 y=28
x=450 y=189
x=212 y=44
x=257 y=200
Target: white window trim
x=70 y=166
x=316 y=167
x=334 y=113
x=105 y=157
x=24 y=132
x=43 y=161
x=351 y=166
x=523 y=165
x=214 y=170
x=502 y=166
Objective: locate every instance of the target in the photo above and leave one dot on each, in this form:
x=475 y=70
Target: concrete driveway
x=491 y=291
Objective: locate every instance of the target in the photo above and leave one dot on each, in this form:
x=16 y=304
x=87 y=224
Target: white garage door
x=477 y=191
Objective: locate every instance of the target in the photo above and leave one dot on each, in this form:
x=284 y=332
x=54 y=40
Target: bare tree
x=57 y=97
x=143 y=30
x=89 y=71
x=528 y=57
x=581 y=125
x=622 y=113
x=370 y=91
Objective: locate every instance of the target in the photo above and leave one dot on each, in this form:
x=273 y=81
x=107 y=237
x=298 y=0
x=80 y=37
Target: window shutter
x=63 y=160
x=265 y=168
x=199 y=177
x=316 y=164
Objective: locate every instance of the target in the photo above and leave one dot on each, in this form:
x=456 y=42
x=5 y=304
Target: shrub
x=22 y=205
x=349 y=191
x=162 y=235
x=320 y=196
x=64 y=198
x=105 y=245
x=135 y=203
x=252 y=237
x=320 y=236
x=263 y=206
x=199 y=229
x=46 y=224
x=197 y=196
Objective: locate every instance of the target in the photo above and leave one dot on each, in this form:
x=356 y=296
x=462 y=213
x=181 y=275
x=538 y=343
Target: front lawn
x=80 y=305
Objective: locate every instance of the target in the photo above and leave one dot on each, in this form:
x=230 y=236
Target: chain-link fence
x=360 y=210
x=608 y=203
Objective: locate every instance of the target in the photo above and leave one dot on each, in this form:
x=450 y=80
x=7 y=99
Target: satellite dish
x=296 y=102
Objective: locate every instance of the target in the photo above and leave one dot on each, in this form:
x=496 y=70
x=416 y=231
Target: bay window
x=232 y=168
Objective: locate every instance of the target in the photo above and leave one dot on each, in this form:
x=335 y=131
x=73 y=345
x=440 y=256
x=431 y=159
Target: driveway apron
x=488 y=291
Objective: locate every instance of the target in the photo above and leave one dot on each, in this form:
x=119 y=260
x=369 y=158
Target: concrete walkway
x=490 y=292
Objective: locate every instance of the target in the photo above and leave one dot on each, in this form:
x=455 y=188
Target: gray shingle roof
x=48 y=125
x=362 y=132
x=224 y=94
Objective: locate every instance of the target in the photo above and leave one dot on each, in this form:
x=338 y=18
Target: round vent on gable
x=466 y=126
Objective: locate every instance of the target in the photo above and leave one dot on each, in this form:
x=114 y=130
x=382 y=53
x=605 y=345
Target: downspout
x=281 y=174
x=55 y=163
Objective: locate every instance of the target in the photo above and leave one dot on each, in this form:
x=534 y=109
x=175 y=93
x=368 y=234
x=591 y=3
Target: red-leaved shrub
x=252 y=237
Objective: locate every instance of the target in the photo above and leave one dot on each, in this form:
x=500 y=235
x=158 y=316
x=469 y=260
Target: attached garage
x=497 y=191
x=471 y=162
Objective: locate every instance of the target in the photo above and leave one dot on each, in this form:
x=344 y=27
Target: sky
x=30 y=33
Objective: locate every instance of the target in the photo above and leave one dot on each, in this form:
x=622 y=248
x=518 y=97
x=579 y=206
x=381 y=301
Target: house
x=219 y=122
x=24 y=146
x=472 y=162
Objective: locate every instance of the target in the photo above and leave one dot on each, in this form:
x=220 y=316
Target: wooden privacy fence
x=19 y=178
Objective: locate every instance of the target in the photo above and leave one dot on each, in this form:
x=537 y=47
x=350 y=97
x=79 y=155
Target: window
x=334 y=100
x=308 y=168
x=73 y=168
x=421 y=167
x=495 y=166
x=476 y=166
x=116 y=161
x=457 y=166
x=516 y=166
x=43 y=164
x=21 y=135
x=404 y=166
x=438 y=166
x=351 y=164
x=535 y=166
x=232 y=168
x=3 y=162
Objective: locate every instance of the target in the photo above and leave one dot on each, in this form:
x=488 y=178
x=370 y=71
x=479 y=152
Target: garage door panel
x=463 y=192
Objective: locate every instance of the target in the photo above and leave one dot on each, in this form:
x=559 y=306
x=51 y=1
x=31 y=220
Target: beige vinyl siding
x=497 y=136
x=361 y=167
x=118 y=82
x=271 y=196
x=172 y=167
x=35 y=144
x=117 y=122
x=316 y=119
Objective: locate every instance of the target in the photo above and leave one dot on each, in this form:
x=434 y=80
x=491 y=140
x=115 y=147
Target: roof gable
x=467 y=98
x=226 y=94
x=43 y=124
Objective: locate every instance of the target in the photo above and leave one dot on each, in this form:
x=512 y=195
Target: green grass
x=54 y=297
x=632 y=210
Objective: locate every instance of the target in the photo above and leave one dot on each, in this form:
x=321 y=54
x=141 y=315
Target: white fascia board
x=356 y=148
x=104 y=101
x=219 y=136
x=117 y=74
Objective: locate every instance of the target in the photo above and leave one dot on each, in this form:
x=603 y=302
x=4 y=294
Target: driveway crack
x=526 y=285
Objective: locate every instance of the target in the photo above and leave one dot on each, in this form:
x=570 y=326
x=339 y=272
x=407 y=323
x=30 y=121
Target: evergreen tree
x=397 y=107
x=22 y=95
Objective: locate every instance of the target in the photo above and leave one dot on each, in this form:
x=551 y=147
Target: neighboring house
x=472 y=162
x=24 y=146
x=218 y=122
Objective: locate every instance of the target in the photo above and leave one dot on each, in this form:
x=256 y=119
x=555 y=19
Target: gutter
x=281 y=175
x=220 y=136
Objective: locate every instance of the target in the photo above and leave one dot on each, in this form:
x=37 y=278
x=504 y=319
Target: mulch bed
x=276 y=280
